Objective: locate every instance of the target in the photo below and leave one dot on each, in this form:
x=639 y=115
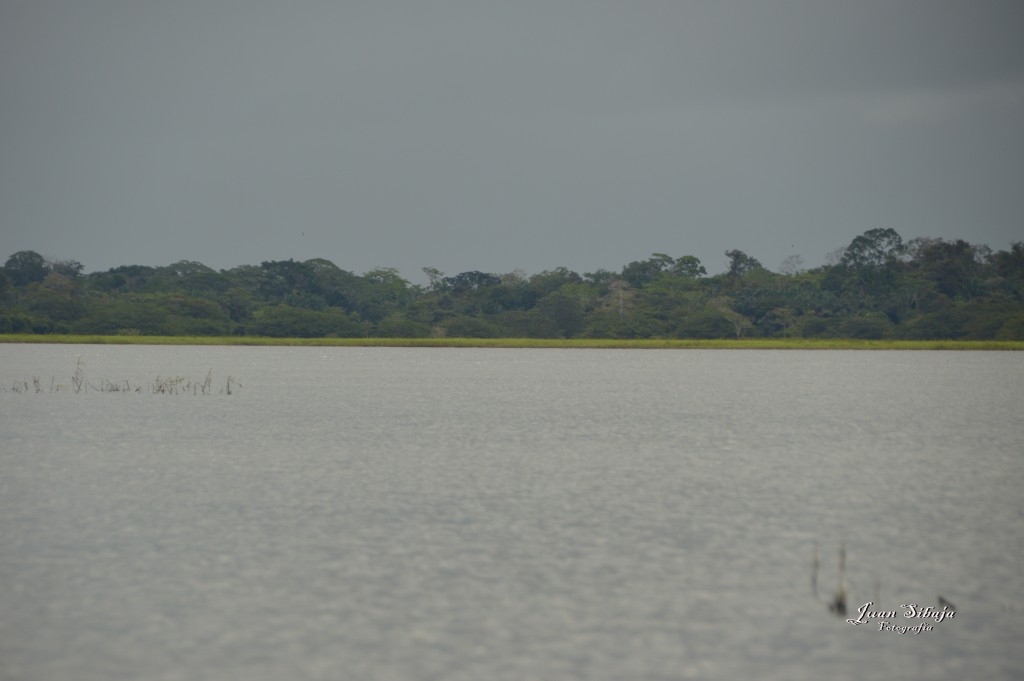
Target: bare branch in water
x=814 y=571
x=838 y=603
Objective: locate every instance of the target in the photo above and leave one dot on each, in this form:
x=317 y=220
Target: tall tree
x=689 y=266
x=25 y=267
x=67 y=268
x=874 y=248
x=954 y=267
x=740 y=263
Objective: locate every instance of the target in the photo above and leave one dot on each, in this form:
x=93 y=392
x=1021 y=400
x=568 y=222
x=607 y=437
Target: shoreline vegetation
x=526 y=343
x=877 y=288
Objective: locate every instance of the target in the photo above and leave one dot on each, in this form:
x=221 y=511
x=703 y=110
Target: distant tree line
x=876 y=287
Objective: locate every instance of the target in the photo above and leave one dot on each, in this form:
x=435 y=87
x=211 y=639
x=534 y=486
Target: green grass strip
x=646 y=344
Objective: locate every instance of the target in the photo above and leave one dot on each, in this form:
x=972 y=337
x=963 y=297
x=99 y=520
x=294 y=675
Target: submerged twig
x=78 y=379
x=814 y=571
x=838 y=603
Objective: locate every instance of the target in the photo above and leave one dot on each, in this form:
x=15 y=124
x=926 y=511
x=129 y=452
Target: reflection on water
x=508 y=514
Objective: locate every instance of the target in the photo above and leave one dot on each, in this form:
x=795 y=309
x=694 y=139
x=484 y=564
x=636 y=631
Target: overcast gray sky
x=492 y=136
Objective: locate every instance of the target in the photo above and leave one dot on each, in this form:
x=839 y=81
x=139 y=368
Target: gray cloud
x=497 y=135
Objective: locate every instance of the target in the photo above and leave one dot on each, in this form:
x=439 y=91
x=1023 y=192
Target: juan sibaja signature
x=886 y=618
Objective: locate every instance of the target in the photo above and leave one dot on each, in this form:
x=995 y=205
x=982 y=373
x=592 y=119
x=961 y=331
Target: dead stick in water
x=838 y=604
x=814 y=571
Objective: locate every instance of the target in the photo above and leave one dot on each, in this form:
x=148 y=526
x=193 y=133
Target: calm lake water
x=387 y=513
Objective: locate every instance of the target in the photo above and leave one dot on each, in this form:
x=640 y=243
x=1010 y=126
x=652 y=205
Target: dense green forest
x=877 y=287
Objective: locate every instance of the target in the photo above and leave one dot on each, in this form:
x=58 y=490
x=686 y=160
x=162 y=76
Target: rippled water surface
x=386 y=513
